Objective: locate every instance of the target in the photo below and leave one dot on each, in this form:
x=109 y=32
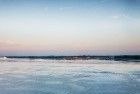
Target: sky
x=69 y=27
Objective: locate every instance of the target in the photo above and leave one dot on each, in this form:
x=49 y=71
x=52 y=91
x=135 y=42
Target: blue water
x=21 y=76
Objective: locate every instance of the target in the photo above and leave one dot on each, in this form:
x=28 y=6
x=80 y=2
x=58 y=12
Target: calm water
x=23 y=76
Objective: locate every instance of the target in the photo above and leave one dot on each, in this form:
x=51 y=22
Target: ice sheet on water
x=25 y=76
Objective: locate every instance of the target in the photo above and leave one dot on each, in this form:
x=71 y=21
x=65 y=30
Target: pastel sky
x=69 y=27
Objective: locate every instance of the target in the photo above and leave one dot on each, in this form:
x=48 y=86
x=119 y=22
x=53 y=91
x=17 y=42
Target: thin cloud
x=115 y=17
x=8 y=43
x=120 y=16
x=65 y=8
x=46 y=8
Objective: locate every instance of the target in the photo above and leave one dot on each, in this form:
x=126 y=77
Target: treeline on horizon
x=83 y=57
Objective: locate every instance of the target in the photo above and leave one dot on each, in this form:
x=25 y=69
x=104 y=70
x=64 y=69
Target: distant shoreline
x=84 y=57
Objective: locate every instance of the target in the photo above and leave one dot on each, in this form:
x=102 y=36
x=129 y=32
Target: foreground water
x=23 y=76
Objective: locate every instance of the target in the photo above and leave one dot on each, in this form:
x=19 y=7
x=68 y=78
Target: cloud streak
x=65 y=8
x=120 y=16
x=8 y=44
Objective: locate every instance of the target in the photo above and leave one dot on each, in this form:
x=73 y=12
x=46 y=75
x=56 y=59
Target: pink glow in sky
x=69 y=27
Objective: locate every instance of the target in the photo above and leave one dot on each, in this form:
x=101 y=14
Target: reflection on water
x=69 y=77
